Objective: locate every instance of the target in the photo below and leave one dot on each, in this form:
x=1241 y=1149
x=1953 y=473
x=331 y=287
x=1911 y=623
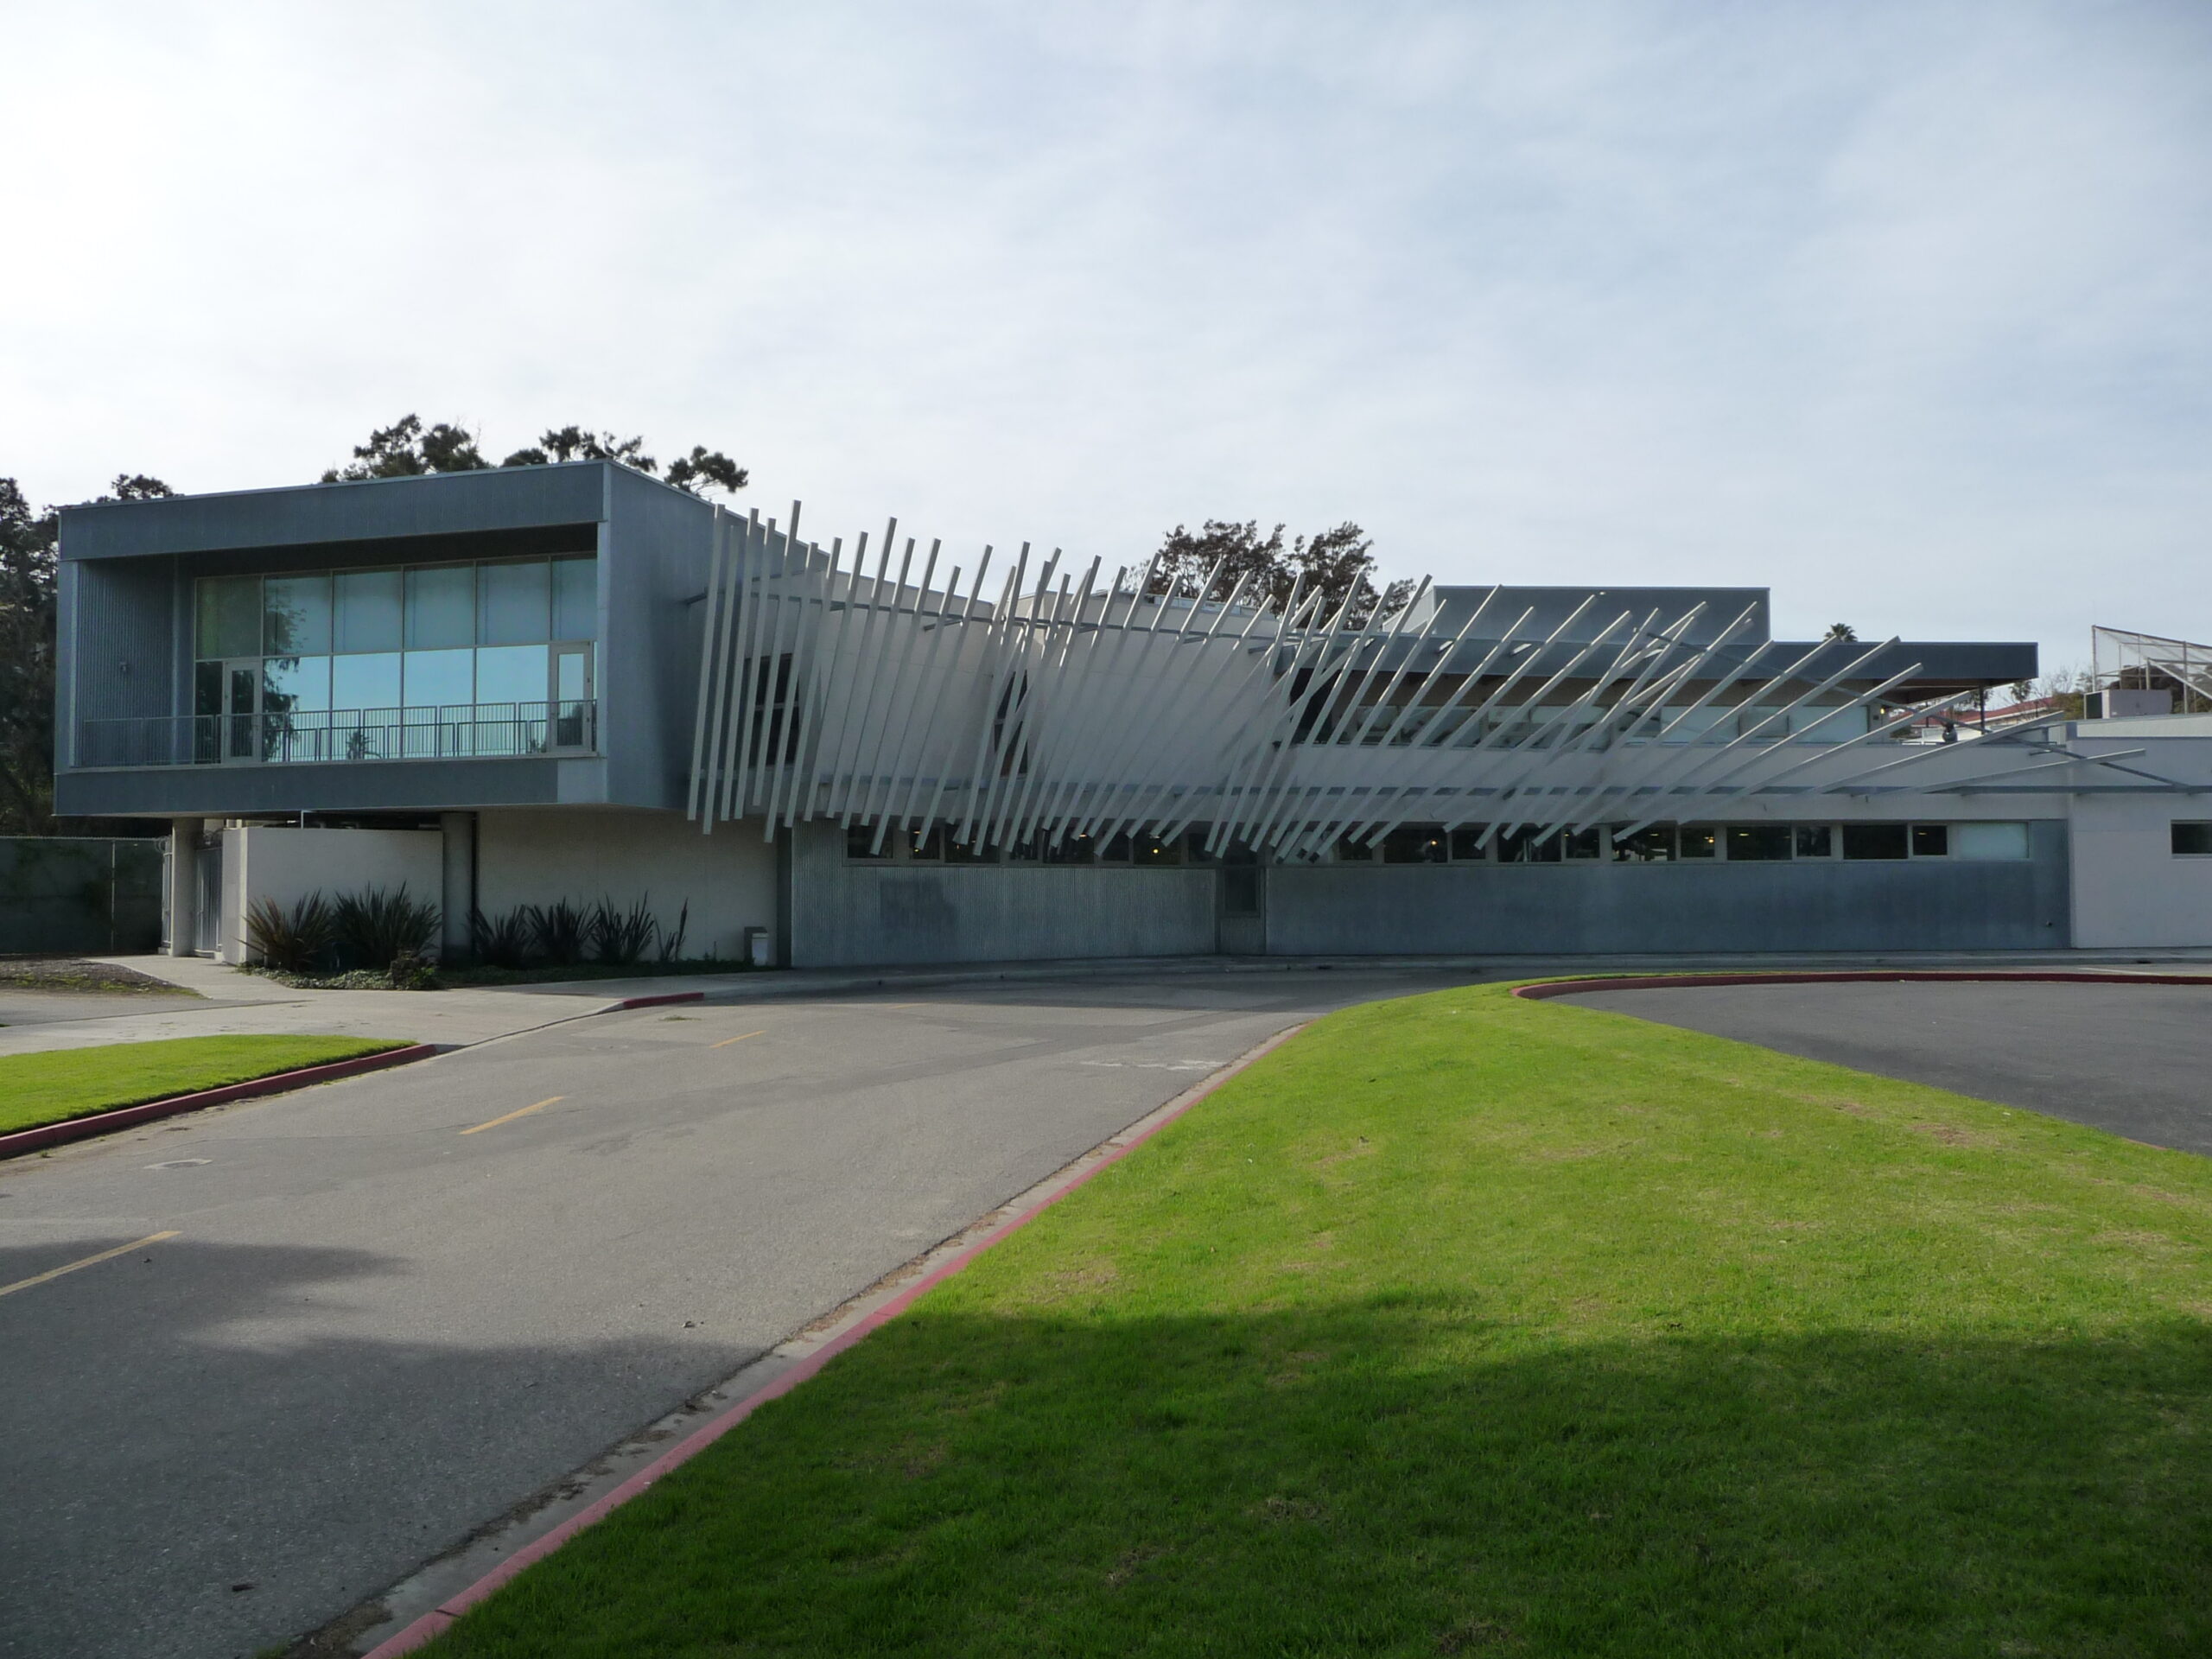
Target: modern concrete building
x=517 y=686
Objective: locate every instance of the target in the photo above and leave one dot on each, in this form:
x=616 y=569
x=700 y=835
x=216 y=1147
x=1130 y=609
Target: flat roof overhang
x=374 y=509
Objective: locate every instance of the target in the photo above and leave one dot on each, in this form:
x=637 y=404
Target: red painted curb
x=83 y=1129
x=655 y=1002
x=1660 y=981
x=439 y=1617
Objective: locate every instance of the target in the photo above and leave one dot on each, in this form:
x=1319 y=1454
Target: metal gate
x=207 y=911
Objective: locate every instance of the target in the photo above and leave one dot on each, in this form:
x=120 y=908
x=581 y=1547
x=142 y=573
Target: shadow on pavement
x=253 y=1443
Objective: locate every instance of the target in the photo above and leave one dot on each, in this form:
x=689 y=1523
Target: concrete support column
x=458 y=897
x=184 y=884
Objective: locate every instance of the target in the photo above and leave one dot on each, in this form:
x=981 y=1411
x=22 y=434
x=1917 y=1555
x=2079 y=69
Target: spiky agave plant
x=378 y=925
x=672 y=939
x=622 y=936
x=501 y=941
x=559 y=931
x=295 y=941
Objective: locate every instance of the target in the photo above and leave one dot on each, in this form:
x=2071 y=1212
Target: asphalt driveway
x=367 y=1318
x=2134 y=1058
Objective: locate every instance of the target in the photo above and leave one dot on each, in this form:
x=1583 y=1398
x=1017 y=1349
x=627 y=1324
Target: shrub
x=621 y=936
x=501 y=941
x=295 y=941
x=559 y=931
x=671 y=940
x=378 y=927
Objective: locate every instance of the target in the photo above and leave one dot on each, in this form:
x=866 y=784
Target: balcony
x=304 y=737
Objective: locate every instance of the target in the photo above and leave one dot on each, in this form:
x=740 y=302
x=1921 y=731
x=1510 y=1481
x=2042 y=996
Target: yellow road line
x=55 y=1273
x=521 y=1112
x=726 y=1041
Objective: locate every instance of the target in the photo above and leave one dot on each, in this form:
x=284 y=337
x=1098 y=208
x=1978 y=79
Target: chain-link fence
x=78 y=894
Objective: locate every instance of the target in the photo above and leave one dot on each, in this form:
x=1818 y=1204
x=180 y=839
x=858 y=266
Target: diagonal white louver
x=1091 y=705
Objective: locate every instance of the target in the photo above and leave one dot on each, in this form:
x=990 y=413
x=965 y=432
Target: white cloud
x=1897 y=309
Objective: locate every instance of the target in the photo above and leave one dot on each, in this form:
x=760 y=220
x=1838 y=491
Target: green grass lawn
x=47 y=1088
x=1468 y=1325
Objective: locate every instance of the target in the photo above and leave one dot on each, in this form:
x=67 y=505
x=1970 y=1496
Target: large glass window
x=438 y=679
x=1653 y=844
x=2190 y=840
x=441 y=606
x=229 y=619
x=296 y=615
x=575 y=599
x=299 y=651
x=1983 y=841
x=515 y=604
x=510 y=674
x=1754 y=843
x=365 y=610
x=1415 y=844
x=1873 y=841
x=365 y=680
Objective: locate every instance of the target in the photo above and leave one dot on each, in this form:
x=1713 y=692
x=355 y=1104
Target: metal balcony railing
x=296 y=737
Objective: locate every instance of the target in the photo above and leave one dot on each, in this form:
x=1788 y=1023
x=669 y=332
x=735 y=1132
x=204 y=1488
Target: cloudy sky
x=1905 y=310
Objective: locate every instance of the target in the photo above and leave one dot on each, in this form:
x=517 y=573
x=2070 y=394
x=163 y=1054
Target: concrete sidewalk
x=231 y=1002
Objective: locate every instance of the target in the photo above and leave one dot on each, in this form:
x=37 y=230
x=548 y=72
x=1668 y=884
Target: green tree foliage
x=1337 y=563
x=407 y=448
x=28 y=549
x=1841 y=631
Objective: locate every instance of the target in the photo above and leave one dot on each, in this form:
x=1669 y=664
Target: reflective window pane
x=1697 y=840
x=365 y=615
x=1415 y=844
x=514 y=604
x=296 y=615
x=1873 y=841
x=295 y=682
x=1989 y=840
x=1653 y=844
x=229 y=621
x=1757 y=843
x=510 y=674
x=575 y=599
x=1815 y=840
x=1521 y=847
x=1931 y=841
x=438 y=679
x=1151 y=849
x=1467 y=844
x=441 y=606
x=366 y=682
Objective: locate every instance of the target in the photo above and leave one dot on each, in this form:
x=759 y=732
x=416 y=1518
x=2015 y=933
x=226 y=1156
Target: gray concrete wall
x=851 y=914
x=357 y=786
x=1811 y=905
x=117 y=644
x=652 y=558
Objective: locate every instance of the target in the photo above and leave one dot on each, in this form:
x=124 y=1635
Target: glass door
x=572 y=711
x=227 y=697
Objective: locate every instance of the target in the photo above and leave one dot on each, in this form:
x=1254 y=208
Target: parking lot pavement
x=264 y=1361
x=2132 y=1059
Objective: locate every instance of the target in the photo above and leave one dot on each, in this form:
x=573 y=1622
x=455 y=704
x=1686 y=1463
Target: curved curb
x=83 y=1129
x=652 y=1001
x=1550 y=987
x=439 y=1618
